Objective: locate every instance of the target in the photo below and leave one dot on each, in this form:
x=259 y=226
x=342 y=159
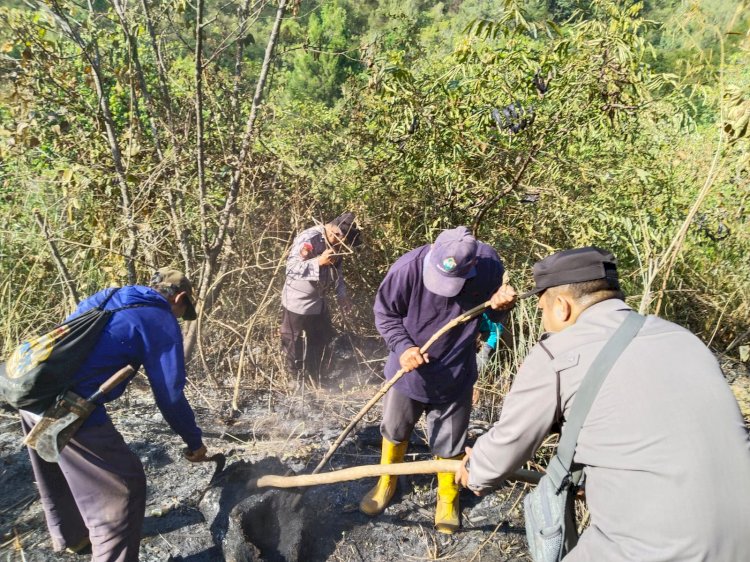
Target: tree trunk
x=91 y=53
x=211 y=257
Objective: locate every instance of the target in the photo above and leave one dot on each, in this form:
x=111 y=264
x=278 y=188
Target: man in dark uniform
x=664 y=448
x=423 y=291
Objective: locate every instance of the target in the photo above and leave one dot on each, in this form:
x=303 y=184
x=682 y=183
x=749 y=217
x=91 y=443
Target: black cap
x=345 y=222
x=574 y=266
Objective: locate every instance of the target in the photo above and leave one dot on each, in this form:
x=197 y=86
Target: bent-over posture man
x=314 y=265
x=664 y=449
x=97 y=491
x=423 y=291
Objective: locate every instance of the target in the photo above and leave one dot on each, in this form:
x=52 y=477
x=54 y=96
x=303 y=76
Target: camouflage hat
x=179 y=282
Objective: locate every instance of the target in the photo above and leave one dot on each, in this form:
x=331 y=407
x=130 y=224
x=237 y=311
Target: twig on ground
x=23 y=502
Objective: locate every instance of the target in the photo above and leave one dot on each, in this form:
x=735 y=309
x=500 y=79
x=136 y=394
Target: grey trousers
x=96 y=490
x=447 y=424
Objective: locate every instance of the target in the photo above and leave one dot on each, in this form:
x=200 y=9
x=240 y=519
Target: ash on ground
x=192 y=519
x=196 y=515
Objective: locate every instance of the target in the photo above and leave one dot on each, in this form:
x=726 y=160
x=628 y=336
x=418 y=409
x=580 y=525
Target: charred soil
x=198 y=513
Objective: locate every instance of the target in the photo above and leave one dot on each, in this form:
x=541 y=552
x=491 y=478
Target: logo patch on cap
x=449 y=264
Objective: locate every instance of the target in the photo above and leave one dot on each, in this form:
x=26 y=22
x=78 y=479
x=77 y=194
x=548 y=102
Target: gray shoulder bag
x=548 y=509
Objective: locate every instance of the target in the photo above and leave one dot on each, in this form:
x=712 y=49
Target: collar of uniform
x=603 y=307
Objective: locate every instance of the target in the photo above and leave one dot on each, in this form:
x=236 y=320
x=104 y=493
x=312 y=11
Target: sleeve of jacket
x=301 y=264
x=496 y=330
x=391 y=306
x=165 y=367
x=527 y=417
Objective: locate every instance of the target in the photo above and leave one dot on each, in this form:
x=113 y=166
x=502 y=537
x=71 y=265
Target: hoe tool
x=61 y=420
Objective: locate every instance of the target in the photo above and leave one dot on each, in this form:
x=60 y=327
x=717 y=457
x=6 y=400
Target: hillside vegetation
x=203 y=135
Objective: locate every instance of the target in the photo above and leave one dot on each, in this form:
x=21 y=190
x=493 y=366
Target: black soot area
x=274 y=525
x=251 y=523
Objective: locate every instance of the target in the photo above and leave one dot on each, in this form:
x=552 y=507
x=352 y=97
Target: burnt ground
x=191 y=518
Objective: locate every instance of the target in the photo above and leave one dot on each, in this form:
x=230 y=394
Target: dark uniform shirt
x=407 y=315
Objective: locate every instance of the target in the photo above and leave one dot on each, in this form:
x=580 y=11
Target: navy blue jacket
x=407 y=315
x=147 y=336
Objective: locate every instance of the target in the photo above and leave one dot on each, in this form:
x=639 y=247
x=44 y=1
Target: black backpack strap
x=111 y=310
x=107 y=298
x=130 y=306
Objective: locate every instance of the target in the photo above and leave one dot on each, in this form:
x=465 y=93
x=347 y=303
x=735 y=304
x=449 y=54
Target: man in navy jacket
x=423 y=291
x=96 y=493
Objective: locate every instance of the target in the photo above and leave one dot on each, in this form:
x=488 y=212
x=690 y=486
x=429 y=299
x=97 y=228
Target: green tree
x=326 y=58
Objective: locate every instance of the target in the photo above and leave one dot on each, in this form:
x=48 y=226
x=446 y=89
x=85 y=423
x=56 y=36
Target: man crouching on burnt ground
x=314 y=265
x=424 y=290
x=96 y=493
x=663 y=448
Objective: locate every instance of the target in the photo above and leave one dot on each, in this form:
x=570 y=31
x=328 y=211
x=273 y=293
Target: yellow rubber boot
x=378 y=498
x=446 y=511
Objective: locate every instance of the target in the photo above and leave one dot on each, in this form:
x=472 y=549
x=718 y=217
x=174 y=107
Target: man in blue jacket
x=423 y=291
x=96 y=493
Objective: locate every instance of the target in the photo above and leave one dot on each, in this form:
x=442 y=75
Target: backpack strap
x=103 y=304
x=559 y=467
x=130 y=306
x=106 y=299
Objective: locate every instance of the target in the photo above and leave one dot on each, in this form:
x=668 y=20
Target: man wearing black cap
x=96 y=493
x=664 y=450
x=423 y=291
x=314 y=265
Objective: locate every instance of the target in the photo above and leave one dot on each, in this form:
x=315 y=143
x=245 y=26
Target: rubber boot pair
x=446 y=512
x=380 y=496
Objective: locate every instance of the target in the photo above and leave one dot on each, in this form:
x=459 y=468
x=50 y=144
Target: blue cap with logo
x=450 y=262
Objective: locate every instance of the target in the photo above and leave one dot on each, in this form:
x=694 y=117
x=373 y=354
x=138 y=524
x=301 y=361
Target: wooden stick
x=465 y=317
x=367 y=471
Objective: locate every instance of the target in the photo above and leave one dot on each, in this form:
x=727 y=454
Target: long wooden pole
x=367 y=471
x=465 y=317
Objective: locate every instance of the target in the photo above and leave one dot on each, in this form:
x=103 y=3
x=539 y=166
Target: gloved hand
x=483 y=357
